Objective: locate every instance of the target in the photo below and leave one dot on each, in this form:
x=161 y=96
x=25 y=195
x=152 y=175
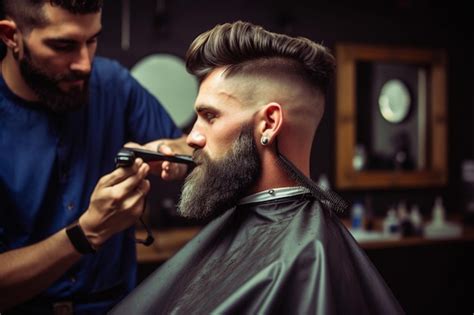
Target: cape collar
x=274 y=193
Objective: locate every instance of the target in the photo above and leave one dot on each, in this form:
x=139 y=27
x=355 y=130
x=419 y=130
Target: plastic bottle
x=438 y=216
x=416 y=220
x=406 y=227
x=391 y=225
x=357 y=216
x=438 y=227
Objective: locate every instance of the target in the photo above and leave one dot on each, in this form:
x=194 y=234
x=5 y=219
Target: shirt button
x=72 y=279
x=70 y=206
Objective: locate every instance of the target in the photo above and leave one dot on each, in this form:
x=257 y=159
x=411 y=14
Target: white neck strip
x=274 y=193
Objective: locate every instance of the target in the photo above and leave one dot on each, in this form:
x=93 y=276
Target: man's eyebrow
x=67 y=40
x=205 y=107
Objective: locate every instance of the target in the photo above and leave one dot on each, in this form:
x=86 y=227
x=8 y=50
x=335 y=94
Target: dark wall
x=403 y=22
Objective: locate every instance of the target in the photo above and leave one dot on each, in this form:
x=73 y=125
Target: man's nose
x=196 y=139
x=83 y=60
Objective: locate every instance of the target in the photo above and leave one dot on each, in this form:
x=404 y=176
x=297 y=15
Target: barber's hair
x=28 y=14
x=245 y=48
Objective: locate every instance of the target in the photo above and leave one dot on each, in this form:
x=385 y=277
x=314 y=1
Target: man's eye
x=63 y=47
x=209 y=116
x=92 y=41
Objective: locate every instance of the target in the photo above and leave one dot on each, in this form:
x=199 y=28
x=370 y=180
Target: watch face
x=394 y=101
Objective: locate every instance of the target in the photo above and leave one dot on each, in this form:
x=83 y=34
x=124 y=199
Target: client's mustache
x=200 y=157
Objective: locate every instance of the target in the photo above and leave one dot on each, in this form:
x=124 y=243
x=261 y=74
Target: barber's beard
x=46 y=86
x=215 y=186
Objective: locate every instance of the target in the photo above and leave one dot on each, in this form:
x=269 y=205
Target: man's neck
x=273 y=175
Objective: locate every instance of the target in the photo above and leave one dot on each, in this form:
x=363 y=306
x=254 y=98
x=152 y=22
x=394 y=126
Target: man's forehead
x=216 y=91
x=61 y=22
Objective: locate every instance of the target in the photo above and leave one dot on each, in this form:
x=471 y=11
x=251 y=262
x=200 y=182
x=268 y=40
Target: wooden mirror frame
x=347 y=56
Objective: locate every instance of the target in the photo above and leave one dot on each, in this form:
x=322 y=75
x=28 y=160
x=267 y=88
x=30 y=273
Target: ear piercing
x=264 y=140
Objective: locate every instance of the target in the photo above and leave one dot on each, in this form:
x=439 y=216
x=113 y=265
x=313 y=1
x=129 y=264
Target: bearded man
x=275 y=246
x=66 y=216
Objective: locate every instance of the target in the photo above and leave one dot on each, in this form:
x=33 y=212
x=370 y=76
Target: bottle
x=406 y=227
x=438 y=212
x=391 y=225
x=357 y=216
x=438 y=227
x=416 y=220
x=369 y=214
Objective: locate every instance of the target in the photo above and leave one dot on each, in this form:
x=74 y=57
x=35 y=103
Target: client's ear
x=270 y=121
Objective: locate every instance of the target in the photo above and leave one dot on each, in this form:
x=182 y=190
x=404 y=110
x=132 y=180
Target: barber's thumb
x=166 y=149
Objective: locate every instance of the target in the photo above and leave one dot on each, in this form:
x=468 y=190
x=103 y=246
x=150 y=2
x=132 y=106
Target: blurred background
x=396 y=141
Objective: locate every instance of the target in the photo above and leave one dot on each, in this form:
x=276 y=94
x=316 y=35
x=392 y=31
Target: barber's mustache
x=74 y=76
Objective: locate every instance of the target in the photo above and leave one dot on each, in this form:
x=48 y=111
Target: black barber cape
x=280 y=256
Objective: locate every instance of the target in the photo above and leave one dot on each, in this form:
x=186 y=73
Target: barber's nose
x=196 y=139
x=82 y=62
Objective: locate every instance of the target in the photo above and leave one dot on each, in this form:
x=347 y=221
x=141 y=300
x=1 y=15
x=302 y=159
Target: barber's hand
x=167 y=170
x=116 y=203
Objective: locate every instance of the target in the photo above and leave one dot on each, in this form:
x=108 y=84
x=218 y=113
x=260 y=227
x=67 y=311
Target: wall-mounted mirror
x=390 y=117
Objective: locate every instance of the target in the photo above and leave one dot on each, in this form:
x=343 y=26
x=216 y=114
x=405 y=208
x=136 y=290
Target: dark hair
x=27 y=14
x=247 y=48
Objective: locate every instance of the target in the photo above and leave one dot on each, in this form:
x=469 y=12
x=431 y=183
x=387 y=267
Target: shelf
x=166 y=244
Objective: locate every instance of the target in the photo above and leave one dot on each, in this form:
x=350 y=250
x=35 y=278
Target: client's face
x=217 y=184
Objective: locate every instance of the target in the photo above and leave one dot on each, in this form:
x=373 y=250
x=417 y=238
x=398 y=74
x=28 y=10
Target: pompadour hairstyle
x=247 y=48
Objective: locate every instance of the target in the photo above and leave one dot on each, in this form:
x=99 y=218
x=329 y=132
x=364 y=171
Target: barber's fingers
x=123 y=188
x=157 y=146
x=133 y=145
x=120 y=174
x=172 y=171
x=135 y=200
x=165 y=149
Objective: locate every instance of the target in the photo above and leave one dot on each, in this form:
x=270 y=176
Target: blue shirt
x=50 y=164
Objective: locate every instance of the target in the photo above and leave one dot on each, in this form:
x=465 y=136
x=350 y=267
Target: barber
x=67 y=215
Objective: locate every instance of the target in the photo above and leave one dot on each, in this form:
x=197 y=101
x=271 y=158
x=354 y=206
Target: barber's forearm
x=27 y=271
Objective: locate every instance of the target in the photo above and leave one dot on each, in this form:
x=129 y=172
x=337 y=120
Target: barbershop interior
x=396 y=141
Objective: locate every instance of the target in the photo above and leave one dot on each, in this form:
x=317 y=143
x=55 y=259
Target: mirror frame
x=347 y=56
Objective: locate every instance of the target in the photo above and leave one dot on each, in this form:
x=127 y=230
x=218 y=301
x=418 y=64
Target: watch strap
x=78 y=239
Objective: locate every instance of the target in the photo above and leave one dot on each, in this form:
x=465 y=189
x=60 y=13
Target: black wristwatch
x=78 y=239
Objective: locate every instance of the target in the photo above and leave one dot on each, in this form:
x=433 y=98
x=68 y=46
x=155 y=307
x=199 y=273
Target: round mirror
x=394 y=101
x=165 y=77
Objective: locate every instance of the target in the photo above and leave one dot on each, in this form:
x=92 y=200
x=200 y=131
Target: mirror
x=165 y=77
x=390 y=117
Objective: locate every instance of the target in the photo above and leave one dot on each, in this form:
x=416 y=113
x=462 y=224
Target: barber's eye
x=92 y=41
x=63 y=47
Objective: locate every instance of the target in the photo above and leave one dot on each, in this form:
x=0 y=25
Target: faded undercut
x=247 y=49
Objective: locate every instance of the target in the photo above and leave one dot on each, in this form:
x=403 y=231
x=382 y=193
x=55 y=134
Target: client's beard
x=215 y=186
x=47 y=87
